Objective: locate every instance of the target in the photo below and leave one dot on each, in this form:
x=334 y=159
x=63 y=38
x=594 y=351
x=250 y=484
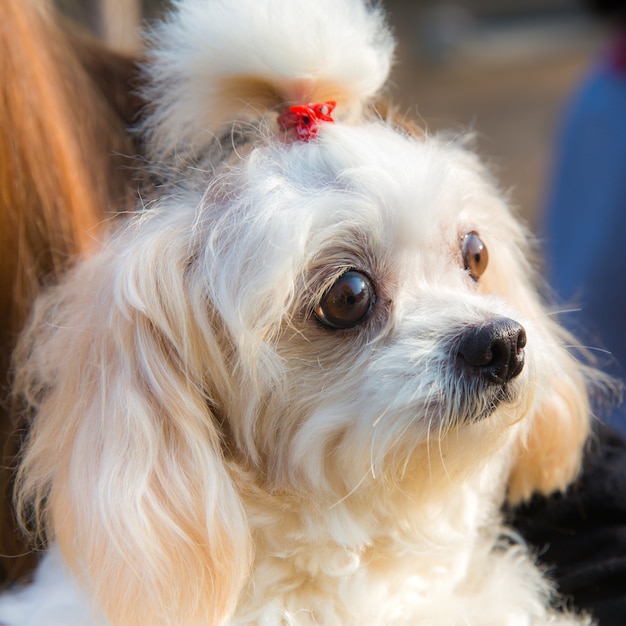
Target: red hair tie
x=304 y=119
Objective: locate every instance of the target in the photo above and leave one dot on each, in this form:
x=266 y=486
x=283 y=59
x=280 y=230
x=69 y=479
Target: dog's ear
x=124 y=466
x=554 y=430
x=549 y=450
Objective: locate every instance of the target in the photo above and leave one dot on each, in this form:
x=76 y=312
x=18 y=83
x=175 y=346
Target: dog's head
x=375 y=299
x=325 y=320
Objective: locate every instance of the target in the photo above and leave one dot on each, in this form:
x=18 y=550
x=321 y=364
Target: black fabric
x=581 y=535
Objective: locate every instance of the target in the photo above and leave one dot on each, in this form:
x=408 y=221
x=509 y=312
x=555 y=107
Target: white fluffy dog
x=298 y=388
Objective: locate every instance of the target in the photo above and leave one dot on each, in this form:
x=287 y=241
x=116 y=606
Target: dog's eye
x=475 y=255
x=348 y=302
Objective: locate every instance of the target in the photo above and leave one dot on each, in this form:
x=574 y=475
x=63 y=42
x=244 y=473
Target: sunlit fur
x=205 y=451
x=58 y=184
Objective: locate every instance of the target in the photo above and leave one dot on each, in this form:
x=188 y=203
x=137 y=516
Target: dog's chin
x=478 y=402
x=506 y=394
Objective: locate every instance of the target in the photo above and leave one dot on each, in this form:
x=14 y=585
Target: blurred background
x=502 y=69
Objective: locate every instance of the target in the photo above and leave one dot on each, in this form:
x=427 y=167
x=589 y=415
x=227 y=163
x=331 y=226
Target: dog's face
x=374 y=300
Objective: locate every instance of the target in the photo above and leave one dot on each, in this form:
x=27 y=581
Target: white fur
x=210 y=453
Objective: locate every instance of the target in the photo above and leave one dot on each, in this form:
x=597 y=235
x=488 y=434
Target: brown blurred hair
x=64 y=105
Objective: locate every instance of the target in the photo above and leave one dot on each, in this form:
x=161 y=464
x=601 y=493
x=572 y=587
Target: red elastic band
x=304 y=119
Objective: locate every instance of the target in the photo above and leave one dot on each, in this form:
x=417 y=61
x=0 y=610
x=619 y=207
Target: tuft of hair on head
x=213 y=64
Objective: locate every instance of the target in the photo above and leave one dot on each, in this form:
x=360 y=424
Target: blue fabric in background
x=586 y=220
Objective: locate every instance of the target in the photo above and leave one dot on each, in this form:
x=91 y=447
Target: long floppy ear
x=124 y=464
x=549 y=450
x=553 y=433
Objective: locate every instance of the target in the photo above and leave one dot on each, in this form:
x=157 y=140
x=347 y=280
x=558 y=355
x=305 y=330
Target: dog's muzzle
x=492 y=352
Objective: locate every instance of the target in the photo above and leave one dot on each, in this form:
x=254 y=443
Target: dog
x=299 y=386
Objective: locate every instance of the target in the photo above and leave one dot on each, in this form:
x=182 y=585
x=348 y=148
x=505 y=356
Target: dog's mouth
x=505 y=394
x=468 y=402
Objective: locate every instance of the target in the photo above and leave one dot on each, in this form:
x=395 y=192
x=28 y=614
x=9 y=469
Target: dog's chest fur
x=345 y=566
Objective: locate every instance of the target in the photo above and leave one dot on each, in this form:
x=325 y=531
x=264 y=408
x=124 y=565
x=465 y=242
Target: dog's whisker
x=350 y=493
x=563 y=312
x=379 y=418
x=585 y=347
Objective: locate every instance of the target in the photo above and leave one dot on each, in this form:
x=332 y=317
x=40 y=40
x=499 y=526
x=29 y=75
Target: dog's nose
x=494 y=351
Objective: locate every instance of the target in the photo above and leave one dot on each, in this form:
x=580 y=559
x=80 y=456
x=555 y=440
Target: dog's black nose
x=493 y=351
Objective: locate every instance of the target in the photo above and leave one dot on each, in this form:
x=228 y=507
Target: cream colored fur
x=205 y=451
